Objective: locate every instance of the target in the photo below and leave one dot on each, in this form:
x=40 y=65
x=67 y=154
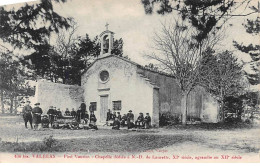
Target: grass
x=240 y=138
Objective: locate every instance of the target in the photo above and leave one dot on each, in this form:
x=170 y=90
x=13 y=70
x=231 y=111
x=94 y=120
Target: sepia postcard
x=130 y=81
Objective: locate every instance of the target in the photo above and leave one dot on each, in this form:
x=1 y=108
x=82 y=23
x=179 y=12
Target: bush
x=168 y=118
x=48 y=144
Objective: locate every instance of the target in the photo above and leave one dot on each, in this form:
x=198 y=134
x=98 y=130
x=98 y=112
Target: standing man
x=119 y=116
x=51 y=113
x=37 y=111
x=83 y=108
x=27 y=114
x=130 y=118
x=78 y=116
x=109 y=117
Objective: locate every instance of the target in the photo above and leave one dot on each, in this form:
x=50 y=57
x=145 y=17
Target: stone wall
x=58 y=95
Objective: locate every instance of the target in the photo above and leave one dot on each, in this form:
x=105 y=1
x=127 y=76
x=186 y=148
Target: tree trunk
x=2 y=101
x=15 y=105
x=11 y=104
x=222 y=113
x=184 y=108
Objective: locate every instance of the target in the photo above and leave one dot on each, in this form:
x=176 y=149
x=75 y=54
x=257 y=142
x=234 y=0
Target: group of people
x=81 y=116
x=32 y=115
x=128 y=120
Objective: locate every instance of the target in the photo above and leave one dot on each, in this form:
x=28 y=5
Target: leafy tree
x=221 y=75
x=27 y=27
x=31 y=25
x=12 y=79
x=118 y=47
x=204 y=15
x=252 y=27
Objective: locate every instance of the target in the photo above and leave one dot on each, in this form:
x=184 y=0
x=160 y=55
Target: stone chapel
x=116 y=83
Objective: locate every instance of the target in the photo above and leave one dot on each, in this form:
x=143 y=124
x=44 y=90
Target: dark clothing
x=27 y=109
x=86 y=116
x=147 y=121
x=140 y=118
x=119 y=117
x=116 y=125
x=27 y=115
x=55 y=112
x=109 y=116
x=83 y=107
x=91 y=126
x=83 y=114
x=113 y=116
x=45 y=122
x=123 y=120
x=139 y=121
x=67 y=112
x=78 y=116
x=130 y=125
x=130 y=119
x=37 y=111
x=73 y=114
x=130 y=116
x=82 y=110
x=93 y=118
x=51 y=112
x=59 y=114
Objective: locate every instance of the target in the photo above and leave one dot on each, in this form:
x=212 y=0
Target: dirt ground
x=189 y=140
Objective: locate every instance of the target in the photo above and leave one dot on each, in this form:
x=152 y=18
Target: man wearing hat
x=51 y=113
x=27 y=114
x=37 y=111
x=130 y=118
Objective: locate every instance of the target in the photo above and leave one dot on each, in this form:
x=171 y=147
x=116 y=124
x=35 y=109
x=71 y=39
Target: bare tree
x=62 y=51
x=176 y=48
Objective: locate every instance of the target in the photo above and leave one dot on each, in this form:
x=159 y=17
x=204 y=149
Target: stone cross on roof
x=107 y=26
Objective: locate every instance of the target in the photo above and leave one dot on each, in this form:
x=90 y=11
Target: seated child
x=116 y=124
x=140 y=120
x=147 y=121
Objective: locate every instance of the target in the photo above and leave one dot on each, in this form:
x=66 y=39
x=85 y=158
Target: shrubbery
x=48 y=144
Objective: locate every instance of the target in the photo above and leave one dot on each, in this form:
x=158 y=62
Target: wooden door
x=103 y=108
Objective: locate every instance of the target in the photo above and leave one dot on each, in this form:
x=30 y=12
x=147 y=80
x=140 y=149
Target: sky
x=127 y=19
